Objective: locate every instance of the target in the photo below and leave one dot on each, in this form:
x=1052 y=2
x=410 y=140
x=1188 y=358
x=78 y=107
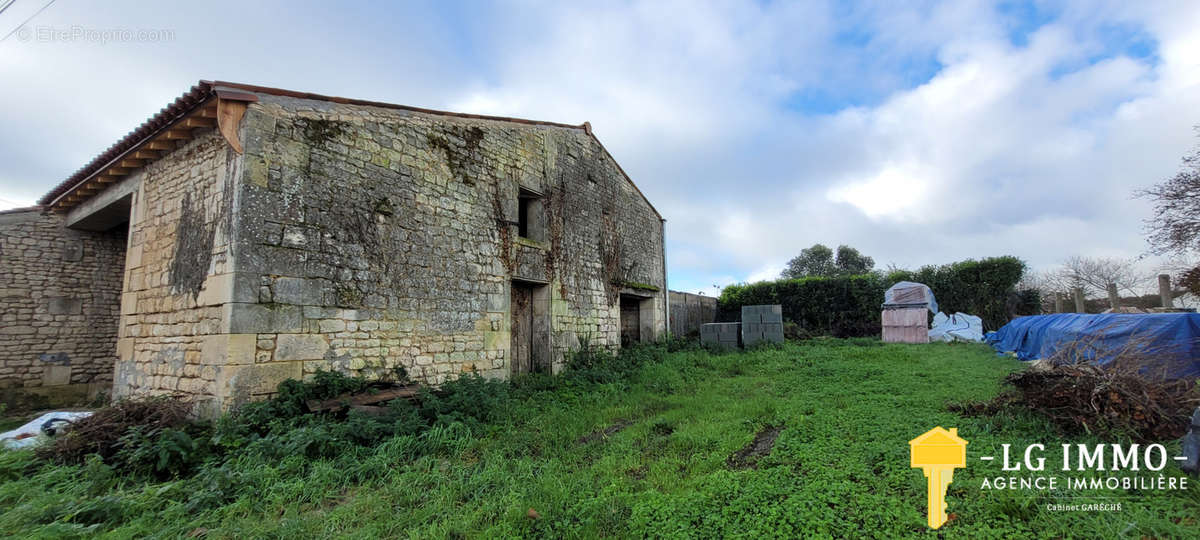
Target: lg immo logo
x=1106 y=468
x=938 y=452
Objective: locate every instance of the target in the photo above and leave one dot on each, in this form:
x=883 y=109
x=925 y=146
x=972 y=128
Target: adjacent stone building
x=60 y=294
x=267 y=234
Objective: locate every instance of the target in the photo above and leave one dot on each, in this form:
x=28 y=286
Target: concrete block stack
x=762 y=324
x=723 y=334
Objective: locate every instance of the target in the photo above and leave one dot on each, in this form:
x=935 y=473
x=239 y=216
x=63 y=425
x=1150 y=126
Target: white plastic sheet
x=907 y=293
x=957 y=327
x=30 y=434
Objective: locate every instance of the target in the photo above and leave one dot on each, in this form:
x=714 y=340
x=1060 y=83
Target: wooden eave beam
x=194 y=122
x=229 y=117
x=224 y=113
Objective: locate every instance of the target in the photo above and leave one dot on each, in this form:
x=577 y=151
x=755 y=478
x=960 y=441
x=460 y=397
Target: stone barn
x=246 y=235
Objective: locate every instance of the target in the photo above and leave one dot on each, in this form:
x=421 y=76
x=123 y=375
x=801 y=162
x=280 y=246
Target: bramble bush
x=156 y=438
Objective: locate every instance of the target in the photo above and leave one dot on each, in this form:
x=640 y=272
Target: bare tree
x=1175 y=227
x=1042 y=281
x=1093 y=274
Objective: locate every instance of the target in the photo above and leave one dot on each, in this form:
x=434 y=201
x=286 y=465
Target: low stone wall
x=689 y=311
x=60 y=298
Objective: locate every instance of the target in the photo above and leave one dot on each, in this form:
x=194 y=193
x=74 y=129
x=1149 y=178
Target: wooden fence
x=689 y=311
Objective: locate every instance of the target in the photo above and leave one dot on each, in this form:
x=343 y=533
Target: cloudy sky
x=923 y=133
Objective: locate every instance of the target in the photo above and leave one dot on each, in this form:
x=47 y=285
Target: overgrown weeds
x=839 y=469
x=159 y=438
x=597 y=365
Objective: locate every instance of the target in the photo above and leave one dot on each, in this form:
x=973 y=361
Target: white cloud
x=916 y=134
x=894 y=192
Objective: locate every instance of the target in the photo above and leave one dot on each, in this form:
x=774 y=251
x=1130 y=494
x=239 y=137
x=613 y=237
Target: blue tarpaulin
x=1172 y=340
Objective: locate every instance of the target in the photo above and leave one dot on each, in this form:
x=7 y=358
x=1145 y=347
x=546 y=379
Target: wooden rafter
x=198 y=122
x=224 y=113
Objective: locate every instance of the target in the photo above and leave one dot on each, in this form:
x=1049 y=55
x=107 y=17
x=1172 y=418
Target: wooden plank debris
x=409 y=392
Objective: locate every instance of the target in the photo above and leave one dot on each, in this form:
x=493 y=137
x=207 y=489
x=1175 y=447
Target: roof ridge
x=206 y=89
x=385 y=105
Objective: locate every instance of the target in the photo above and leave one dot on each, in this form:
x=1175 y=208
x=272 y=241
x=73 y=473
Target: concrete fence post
x=1114 y=299
x=1058 y=302
x=1164 y=290
x=1080 y=306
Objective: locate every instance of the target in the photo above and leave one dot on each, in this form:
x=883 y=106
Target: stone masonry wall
x=178 y=272
x=379 y=238
x=59 y=301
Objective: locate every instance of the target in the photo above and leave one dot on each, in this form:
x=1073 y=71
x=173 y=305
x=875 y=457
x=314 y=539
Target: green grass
x=838 y=469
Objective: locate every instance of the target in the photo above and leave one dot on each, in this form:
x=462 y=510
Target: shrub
x=282 y=426
x=599 y=366
x=162 y=452
x=470 y=399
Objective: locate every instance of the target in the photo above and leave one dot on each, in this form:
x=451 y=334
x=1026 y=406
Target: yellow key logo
x=938 y=452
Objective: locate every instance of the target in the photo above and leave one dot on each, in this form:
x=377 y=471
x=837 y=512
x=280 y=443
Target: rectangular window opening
x=531 y=222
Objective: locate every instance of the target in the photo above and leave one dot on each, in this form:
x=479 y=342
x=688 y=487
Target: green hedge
x=837 y=306
x=980 y=288
x=850 y=306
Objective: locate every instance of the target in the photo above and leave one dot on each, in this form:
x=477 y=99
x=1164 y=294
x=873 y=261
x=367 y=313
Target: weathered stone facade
x=176 y=272
x=361 y=238
x=60 y=293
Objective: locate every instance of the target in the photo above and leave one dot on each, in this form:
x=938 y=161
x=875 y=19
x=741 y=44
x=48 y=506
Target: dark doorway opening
x=529 y=327
x=631 y=320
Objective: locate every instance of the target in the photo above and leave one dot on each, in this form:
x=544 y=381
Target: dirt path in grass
x=604 y=433
x=748 y=456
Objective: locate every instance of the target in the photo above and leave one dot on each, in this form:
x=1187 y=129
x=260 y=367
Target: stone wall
x=382 y=238
x=178 y=272
x=364 y=239
x=59 y=301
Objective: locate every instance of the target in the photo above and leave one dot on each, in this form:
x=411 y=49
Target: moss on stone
x=638 y=286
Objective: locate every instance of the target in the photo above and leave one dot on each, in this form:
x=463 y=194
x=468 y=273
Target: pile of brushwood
x=1090 y=398
x=1122 y=396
